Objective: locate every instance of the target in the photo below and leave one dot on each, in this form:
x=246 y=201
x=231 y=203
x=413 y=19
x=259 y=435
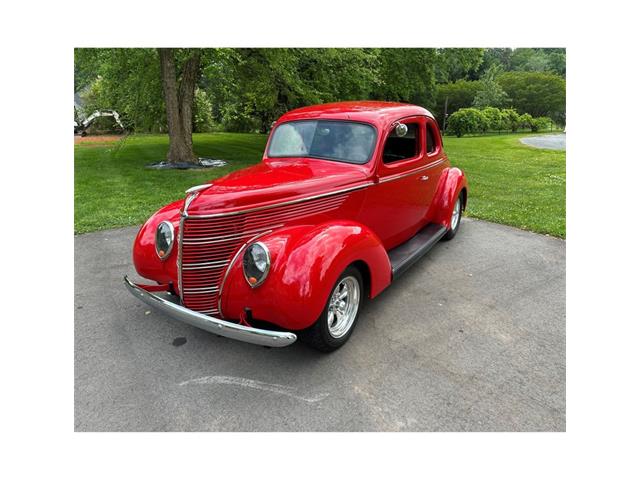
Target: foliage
x=250 y=87
x=456 y=95
x=467 y=120
x=551 y=60
x=526 y=121
x=510 y=183
x=473 y=120
x=454 y=64
x=494 y=118
x=202 y=112
x=128 y=81
x=541 y=123
x=491 y=93
x=511 y=119
x=539 y=94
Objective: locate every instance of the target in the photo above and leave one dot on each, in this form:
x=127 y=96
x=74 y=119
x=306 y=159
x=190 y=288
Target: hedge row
x=473 y=120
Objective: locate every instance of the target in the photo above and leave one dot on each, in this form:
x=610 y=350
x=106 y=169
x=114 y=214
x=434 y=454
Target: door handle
x=424 y=178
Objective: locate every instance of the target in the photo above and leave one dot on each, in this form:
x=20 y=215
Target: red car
x=347 y=196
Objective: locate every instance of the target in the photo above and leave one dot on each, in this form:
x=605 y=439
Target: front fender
x=306 y=261
x=452 y=182
x=145 y=258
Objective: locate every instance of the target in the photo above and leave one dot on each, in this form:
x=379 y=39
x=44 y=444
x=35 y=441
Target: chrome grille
x=209 y=243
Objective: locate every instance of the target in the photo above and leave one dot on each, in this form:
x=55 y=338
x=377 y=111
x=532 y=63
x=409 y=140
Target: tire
x=330 y=333
x=454 y=228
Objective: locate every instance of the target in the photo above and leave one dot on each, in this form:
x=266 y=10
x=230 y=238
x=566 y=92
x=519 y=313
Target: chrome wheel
x=343 y=306
x=455 y=216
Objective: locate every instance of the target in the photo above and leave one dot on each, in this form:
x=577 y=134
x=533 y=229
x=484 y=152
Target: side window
x=432 y=142
x=399 y=148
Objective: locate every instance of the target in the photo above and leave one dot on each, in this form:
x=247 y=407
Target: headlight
x=164 y=239
x=256 y=263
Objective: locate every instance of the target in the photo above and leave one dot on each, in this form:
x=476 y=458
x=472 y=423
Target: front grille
x=209 y=244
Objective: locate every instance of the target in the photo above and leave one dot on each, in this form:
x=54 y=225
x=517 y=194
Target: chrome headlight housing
x=165 y=237
x=256 y=263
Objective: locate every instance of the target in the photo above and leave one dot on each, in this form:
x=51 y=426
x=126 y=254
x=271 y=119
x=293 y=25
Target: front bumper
x=257 y=336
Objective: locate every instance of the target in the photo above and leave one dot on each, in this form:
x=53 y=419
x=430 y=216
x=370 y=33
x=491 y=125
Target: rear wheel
x=456 y=216
x=338 y=319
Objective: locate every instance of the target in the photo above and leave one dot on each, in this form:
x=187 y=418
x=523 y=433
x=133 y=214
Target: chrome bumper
x=235 y=331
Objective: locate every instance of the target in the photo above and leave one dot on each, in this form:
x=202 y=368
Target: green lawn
x=508 y=182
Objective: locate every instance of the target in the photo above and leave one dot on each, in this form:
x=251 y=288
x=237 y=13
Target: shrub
x=466 y=120
x=511 y=119
x=494 y=118
x=541 y=123
x=526 y=121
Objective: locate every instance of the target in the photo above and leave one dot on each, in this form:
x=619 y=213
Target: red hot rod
x=347 y=196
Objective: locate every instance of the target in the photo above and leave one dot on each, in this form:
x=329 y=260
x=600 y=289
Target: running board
x=405 y=255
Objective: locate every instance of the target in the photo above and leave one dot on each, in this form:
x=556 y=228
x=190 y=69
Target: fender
x=306 y=261
x=145 y=258
x=451 y=182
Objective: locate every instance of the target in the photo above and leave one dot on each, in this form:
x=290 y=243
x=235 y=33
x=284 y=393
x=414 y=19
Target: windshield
x=349 y=142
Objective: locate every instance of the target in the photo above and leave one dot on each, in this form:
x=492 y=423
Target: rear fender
x=306 y=261
x=452 y=182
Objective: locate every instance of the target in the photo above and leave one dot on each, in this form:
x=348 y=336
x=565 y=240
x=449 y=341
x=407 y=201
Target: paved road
x=471 y=338
x=549 y=142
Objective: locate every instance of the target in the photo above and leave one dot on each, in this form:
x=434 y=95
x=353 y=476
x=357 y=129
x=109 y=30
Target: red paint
x=318 y=228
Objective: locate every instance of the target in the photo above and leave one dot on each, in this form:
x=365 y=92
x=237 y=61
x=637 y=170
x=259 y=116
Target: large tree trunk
x=186 y=93
x=179 y=105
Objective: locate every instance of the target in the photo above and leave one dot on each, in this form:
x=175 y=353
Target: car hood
x=274 y=181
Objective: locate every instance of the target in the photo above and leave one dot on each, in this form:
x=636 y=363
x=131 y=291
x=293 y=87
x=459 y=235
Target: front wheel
x=456 y=215
x=338 y=319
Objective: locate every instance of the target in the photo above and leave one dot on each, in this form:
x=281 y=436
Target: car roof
x=377 y=113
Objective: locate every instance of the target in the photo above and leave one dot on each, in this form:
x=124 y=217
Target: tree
x=454 y=64
x=491 y=93
x=406 y=75
x=456 y=95
x=536 y=93
x=178 y=98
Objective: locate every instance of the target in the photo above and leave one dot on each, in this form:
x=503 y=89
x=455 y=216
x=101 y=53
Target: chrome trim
x=257 y=336
x=398 y=176
x=180 y=236
x=231 y=263
x=173 y=239
x=282 y=204
x=197 y=188
x=205 y=267
x=201 y=290
x=213 y=263
x=233 y=236
x=266 y=272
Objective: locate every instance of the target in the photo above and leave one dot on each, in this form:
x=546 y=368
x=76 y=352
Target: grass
x=508 y=182
x=512 y=183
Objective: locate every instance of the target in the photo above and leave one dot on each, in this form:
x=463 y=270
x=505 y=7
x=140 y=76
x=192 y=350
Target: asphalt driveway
x=471 y=338
x=549 y=142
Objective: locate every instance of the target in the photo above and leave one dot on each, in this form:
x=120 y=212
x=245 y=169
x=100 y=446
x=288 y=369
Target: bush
x=494 y=118
x=541 y=123
x=467 y=120
x=511 y=119
x=526 y=121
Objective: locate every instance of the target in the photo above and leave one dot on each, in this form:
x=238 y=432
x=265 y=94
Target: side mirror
x=401 y=129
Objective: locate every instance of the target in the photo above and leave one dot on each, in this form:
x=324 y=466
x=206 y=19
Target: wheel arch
x=306 y=261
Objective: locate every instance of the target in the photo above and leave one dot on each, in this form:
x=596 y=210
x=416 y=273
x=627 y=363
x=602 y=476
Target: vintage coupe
x=348 y=195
